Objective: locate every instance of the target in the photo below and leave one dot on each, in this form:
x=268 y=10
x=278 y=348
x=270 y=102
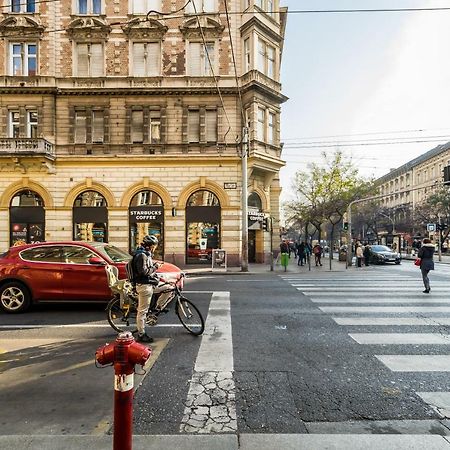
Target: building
x=123 y=118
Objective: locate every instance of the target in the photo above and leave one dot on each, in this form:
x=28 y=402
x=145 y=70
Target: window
x=201 y=6
x=145 y=126
x=193 y=126
x=98 y=126
x=47 y=254
x=144 y=6
x=155 y=127
x=23 y=6
x=211 y=125
x=89 y=6
x=137 y=126
x=198 y=63
x=23 y=61
x=80 y=127
x=247 y=55
x=271 y=128
x=146 y=59
x=266 y=58
x=32 y=124
x=266 y=5
x=90 y=60
x=261 y=124
x=77 y=255
x=14 y=124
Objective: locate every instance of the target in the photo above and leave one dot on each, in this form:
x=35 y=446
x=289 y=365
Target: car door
x=81 y=280
x=40 y=269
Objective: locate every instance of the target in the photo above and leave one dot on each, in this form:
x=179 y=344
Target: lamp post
x=244 y=200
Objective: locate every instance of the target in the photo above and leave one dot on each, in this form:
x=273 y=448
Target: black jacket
x=144 y=267
x=426 y=253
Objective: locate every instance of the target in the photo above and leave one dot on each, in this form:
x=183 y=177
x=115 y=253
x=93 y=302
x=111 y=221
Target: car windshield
x=115 y=254
x=381 y=248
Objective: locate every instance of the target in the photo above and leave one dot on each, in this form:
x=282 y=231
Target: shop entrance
x=90 y=217
x=26 y=218
x=252 y=246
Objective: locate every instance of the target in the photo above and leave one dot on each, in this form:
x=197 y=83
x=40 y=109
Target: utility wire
x=337 y=145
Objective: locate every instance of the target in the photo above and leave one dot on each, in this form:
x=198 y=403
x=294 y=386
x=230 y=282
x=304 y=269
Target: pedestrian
x=359 y=254
x=301 y=253
x=317 y=250
x=366 y=253
x=146 y=279
x=425 y=254
x=284 y=250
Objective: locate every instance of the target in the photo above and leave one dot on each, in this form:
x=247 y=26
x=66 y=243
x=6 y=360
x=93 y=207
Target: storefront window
x=203 y=216
x=90 y=217
x=27 y=218
x=146 y=213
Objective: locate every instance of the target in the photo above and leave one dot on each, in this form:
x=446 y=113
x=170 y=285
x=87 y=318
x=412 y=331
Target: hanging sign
x=146 y=214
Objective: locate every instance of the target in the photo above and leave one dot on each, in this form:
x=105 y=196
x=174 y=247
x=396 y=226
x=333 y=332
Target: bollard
x=124 y=353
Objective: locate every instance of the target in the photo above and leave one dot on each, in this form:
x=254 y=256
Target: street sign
x=431 y=227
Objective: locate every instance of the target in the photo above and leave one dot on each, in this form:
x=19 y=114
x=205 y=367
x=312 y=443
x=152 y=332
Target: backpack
x=131 y=273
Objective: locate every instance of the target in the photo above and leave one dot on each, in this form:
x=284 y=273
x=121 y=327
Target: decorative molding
x=20 y=26
x=212 y=28
x=137 y=29
x=20 y=185
x=88 y=28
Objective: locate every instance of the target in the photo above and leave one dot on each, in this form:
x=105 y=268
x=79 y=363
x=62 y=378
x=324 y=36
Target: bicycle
x=122 y=308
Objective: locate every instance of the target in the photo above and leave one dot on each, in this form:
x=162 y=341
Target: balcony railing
x=15 y=146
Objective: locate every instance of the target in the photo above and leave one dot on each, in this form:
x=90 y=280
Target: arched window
x=90 y=217
x=146 y=213
x=27 y=218
x=203 y=217
x=254 y=201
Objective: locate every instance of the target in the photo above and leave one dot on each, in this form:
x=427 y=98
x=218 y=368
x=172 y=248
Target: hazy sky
x=383 y=73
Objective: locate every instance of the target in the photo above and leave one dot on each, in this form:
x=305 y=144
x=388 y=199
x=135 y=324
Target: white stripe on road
x=417 y=293
x=416 y=363
x=395 y=321
x=439 y=401
x=408 y=300
x=400 y=338
x=384 y=309
x=78 y=325
x=371 y=289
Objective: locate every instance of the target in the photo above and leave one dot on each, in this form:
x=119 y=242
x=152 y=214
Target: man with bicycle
x=146 y=279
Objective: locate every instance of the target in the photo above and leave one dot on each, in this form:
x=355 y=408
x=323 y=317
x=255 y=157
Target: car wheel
x=14 y=297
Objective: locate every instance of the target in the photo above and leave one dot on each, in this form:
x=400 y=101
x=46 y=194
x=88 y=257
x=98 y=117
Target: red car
x=61 y=271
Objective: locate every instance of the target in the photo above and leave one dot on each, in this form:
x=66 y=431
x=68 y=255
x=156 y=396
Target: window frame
x=12 y=124
x=89 y=8
x=201 y=9
x=31 y=124
x=148 y=63
x=23 y=7
x=154 y=5
x=25 y=58
x=90 y=66
x=206 y=70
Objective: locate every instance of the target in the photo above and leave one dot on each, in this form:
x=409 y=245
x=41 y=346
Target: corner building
x=123 y=118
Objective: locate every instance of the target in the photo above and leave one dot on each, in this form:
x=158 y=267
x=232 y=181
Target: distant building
x=115 y=123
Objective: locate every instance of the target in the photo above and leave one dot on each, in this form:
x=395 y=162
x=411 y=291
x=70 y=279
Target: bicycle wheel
x=190 y=317
x=121 y=319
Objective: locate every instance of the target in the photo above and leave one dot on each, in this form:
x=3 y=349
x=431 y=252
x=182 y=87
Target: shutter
x=261 y=56
x=96 y=60
x=72 y=123
x=80 y=127
x=184 y=125
x=202 y=125
x=106 y=126
x=194 y=63
x=155 y=126
x=146 y=125
x=153 y=59
x=82 y=60
x=220 y=131
x=128 y=125
x=211 y=125
x=138 y=59
x=163 y=126
x=139 y=6
x=98 y=121
x=88 y=125
x=137 y=123
x=207 y=67
x=193 y=126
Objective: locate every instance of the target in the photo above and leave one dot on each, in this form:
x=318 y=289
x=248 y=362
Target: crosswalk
x=373 y=300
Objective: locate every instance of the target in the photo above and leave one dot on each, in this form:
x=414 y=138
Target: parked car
x=61 y=271
x=380 y=254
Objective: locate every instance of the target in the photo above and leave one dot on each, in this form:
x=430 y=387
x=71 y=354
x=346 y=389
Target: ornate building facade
x=124 y=118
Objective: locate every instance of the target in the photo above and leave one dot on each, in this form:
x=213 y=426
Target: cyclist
x=146 y=280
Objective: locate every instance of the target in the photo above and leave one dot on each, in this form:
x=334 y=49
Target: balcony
x=26 y=147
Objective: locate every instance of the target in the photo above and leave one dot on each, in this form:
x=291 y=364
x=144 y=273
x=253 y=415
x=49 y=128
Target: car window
x=115 y=254
x=381 y=248
x=48 y=253
x=77 y=255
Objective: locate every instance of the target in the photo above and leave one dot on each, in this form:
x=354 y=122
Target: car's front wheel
x=14 y=297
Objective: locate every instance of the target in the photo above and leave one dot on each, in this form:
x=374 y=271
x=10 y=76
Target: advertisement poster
x=18 y=234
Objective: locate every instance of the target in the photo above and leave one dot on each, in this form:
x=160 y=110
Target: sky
x=361 y=77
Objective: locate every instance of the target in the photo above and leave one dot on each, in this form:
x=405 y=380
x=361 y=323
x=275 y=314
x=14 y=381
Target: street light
x=392 y=220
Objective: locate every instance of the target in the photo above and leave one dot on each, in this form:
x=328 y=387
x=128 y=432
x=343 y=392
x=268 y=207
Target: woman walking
x=426 y=262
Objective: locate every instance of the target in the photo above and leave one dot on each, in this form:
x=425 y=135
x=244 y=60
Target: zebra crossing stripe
x=416 y=363
x=384 y=309
x=368 y=289
x=439 y=401
x=395 y=321
x=400 y=338
x=380 y=300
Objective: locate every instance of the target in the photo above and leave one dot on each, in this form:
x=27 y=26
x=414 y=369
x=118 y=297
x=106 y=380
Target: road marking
x=400 y=338
x=364 y=289
x=416 y=363
x=384 y=309
x=211 y=401
x=397 y=321
x=77 y=325
x=380 y=300
x=439 y=401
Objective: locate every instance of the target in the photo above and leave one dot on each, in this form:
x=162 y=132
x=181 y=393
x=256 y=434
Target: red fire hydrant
x=125 y=353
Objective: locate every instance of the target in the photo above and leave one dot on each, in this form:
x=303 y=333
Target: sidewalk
x=235 y=442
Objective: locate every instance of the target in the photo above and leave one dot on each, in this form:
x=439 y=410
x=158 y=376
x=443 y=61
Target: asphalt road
x=302 y=354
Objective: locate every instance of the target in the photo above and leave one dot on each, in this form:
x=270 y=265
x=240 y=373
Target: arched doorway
x=146 y=213
x=203 y=216
x=90 y=217
x=255 y=220
x=26 y=218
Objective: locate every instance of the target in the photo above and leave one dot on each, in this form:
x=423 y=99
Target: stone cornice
x=21 y=26
x=211 y=27
x=254 y=22
x=88 y=28
x=149 y=29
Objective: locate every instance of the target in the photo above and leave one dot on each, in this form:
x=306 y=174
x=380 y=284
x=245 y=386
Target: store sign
x=230 y=185
x=255 y=219
x=146 y=214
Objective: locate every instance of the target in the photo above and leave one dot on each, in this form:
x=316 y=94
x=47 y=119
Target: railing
x=26 y=145
x=257 y=76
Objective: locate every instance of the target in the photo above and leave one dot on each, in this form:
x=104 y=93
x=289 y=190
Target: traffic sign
x=431 y=227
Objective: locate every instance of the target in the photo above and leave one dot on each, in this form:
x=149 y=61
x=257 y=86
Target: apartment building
x=124 y=118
